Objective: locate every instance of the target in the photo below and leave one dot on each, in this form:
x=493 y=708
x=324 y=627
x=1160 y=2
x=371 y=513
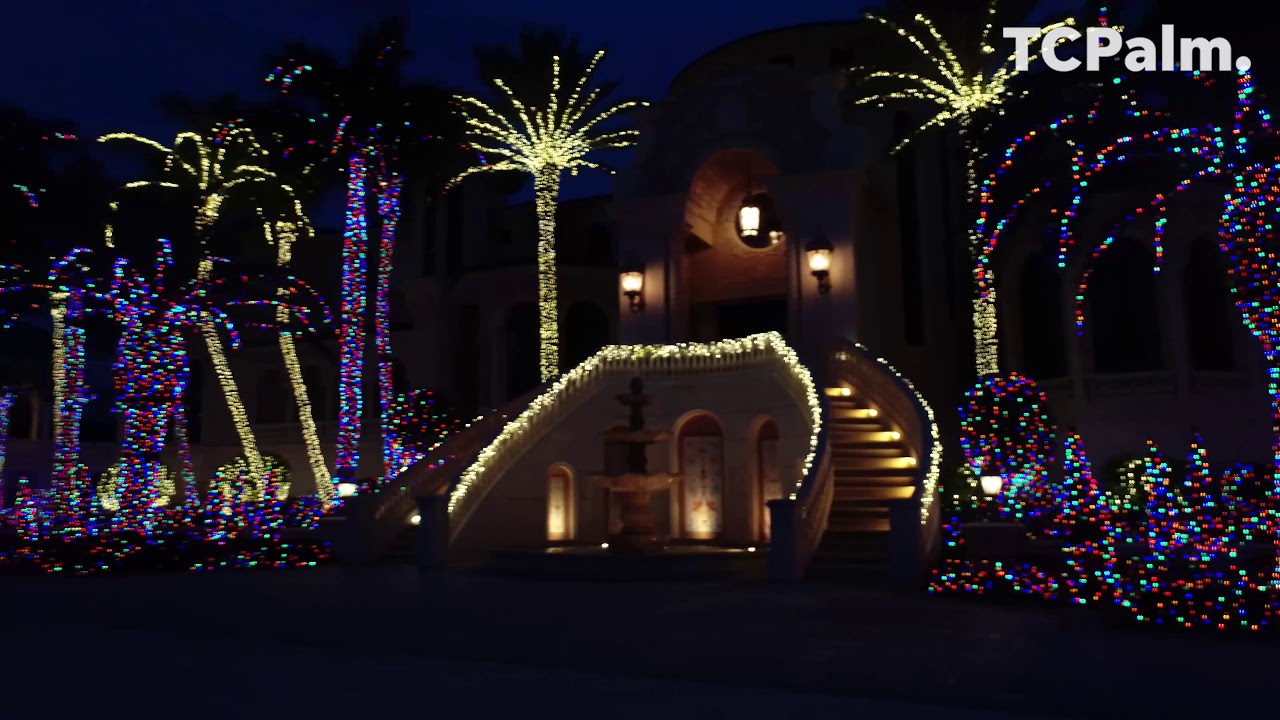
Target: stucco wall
x=514 y=513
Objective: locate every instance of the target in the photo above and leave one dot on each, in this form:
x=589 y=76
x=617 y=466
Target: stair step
x=857 y=524
x=875 y=482
x=858 y=493
x=855 y=413
x=865 y=462
x=856 y=512
x=868 y=450
x=898 y=472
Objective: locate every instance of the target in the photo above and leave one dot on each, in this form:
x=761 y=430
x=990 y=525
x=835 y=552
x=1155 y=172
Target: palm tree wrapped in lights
x=959 y=94
x=544 y=140
x=211 y=167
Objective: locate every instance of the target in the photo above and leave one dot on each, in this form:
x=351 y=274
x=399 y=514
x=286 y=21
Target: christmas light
x=223 y=160
x=6 y=403
x=355 y=242
x=959 y=96
x=477 y=479
x=545 y=141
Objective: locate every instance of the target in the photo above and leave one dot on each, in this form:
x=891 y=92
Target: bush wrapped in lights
x=1198 y=553
x=1005 y=430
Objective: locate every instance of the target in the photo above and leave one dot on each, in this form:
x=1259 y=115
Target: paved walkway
x=366 y=643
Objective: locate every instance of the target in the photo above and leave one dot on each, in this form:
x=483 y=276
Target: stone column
x=431 y=540
x=806 y=203
x=648 y=232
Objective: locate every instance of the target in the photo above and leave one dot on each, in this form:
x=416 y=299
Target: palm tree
x=962 y=88
x=210 y=168
x=370 y=115
x=543 y=125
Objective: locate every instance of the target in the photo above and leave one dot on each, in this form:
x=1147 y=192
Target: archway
x=736 y=284
x=522 y=348
x=586 y=330
x=1044 y=340
x=1210 y=314
x=273 y=397
x=562 y=521
x=701 y=494
x=1124 y=312
x=768 y=479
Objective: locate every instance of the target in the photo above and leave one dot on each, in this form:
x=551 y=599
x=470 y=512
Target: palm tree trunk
x=6 y=403
x=231 y=394
x=190 y=493
x=301 y=397
x=546 y=187
x=68 y=404
x=351 y=343
x=986 y=344
x=388 y=217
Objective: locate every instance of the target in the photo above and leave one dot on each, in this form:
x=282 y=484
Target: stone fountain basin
x=632 y=482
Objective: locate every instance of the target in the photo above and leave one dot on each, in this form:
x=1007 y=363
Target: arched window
x=399 y=376
x=1044 y=341
x=317 y=393
x=193 y=400
x=22 y=416
x=1211 y=316
x=701 y=495
x=522 y=348
x=770 y=481
x=273 y=397
x=586 y=330
x=561 y=505
x=1123 y=311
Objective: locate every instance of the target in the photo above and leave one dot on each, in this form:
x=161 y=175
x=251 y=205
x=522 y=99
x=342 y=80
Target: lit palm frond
x=956 y=92
x=212 y=164
x=556 y=136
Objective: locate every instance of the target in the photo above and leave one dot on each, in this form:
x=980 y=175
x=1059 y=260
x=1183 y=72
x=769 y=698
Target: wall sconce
x=632 y=281
x=991 y=485
x=819 y=251
x=347 y=489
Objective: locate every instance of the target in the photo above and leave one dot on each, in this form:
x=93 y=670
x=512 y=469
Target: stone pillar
x=784 y=549
x=431 y=540
x=649 y=232
x=806 y=203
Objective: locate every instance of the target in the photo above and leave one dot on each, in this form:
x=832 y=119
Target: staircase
x=871 y=466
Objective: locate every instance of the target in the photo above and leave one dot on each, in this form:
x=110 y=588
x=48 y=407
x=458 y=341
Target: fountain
x=635 y=484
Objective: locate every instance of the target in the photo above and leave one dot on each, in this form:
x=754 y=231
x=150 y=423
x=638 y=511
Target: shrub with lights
x=1006 y=432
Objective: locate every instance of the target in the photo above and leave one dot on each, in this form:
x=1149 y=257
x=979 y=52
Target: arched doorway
x=769 y=481
x=701 y=493
x=1124 y=312
x=1044 y=338
x=735 y=283
x=1211 y=316
x=562 y=519
x=586 y=330
x=522 y=348
x=273 y=397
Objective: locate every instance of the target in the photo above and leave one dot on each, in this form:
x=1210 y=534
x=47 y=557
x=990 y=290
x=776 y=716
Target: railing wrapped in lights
x=380 y=512
x=574 y=387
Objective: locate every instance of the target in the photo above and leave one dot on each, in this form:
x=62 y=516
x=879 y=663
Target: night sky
x=102 y=63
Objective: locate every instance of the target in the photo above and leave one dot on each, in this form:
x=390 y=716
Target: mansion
x=768 y=121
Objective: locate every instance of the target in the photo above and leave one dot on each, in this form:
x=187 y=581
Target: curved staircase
x=871 y=467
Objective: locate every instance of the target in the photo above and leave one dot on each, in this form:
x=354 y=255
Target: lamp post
x=818 y=250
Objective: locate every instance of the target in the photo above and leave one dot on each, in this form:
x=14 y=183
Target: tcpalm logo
x=1141 y=54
